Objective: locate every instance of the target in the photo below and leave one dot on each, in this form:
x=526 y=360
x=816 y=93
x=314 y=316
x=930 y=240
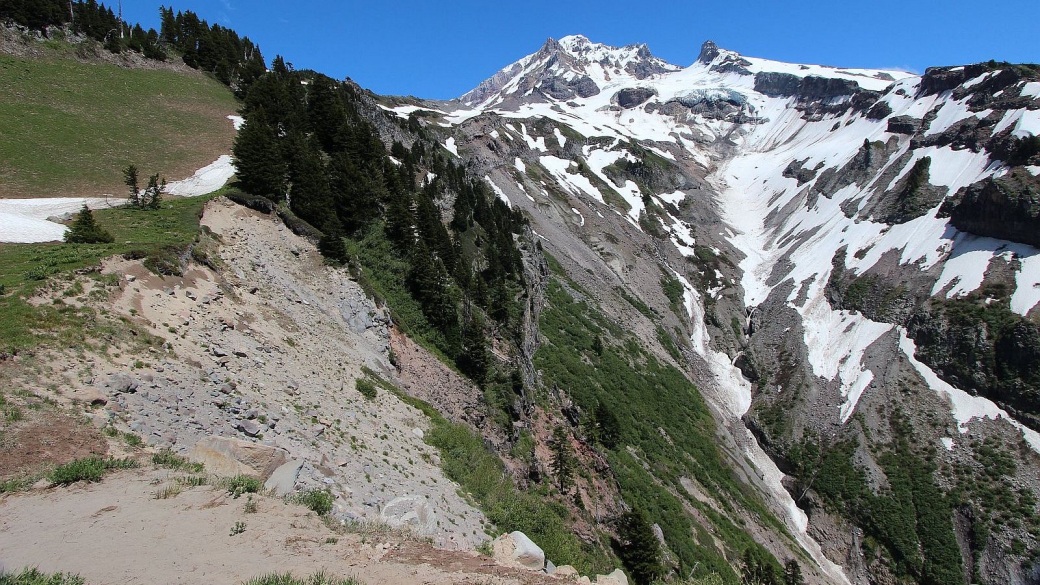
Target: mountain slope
x=803 y=224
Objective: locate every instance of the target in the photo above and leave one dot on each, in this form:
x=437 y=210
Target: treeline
x=306 y=144
x=234 y=60
x=88 y=18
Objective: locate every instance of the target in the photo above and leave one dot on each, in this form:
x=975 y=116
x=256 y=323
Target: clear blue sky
x=443 y=48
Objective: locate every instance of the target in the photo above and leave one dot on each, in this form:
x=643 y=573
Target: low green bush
x=318 y=501
x=88 y=469
x=243 y=484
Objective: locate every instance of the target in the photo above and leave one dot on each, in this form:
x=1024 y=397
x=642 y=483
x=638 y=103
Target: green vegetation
x=35 y=577
x=657 y=421
x=242 y=484
x=673 y=289
x=90 y=120
x=911 y=520
x=90 y=469
x=318 y=501
x=161 y=237
x=366 y=388
x=167 y=458
x=84 y=230
x=466 y=459
x=447 y=281
x=321 y=578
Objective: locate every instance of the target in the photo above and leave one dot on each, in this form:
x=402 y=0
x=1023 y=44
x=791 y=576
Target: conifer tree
x=562 y=463
x=84 y=230
x=130 y=179
x=258 y=157
x=793 y=573
x=152 y=198
x=639 y=548
x=474 y=359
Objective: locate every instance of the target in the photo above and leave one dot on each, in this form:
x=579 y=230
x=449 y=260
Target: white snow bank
x=449 y=144
x=237 y=121
x=498 y=191
x=205 y=180
x=24 y=221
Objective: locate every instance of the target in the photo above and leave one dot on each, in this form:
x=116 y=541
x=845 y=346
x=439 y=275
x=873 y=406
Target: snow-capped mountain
x=857 y=251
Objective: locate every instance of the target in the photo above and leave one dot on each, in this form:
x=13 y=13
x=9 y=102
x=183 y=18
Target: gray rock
x=122 y=382
x=249 y=427
x=283 y=480
x=410 y=511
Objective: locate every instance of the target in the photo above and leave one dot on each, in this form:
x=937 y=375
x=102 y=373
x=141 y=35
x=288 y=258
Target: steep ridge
x=850 y=255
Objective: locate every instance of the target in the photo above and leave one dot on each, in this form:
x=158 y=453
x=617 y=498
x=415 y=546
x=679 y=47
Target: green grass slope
x=68 y=127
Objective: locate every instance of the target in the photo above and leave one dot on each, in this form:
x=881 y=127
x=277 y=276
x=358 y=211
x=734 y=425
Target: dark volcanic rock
x=904 y=125
x=631 y=97
x=777 y=84
x=810 y=87
x=709 y=50
x=1006 y=208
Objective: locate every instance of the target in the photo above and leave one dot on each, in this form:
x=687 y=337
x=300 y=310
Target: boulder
x=122 y=382
x=249 y=427
x=410 y=511
x=616 y=578
x=565 y=571
x=517 y=550
x=283 y=479
x=91 y=396
x=228 y=457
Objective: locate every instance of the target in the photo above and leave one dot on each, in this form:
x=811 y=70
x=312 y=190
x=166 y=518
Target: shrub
x=318 y=501
x=84 y=230
x=87 y=469
x=35 y=577
x=321 y=578
x=167 y=458
x=243 y=484
x=366 y=388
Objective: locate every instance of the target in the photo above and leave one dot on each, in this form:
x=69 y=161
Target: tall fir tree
x=562 y=463
x=639 y=549
x=260 y=167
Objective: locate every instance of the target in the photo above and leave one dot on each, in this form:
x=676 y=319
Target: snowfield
x=25 y=221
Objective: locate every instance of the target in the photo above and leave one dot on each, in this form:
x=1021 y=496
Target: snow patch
x=205 y=180
x=499 y=192
x=449 y=144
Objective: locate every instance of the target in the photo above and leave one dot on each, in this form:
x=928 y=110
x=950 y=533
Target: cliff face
x=1007 y=208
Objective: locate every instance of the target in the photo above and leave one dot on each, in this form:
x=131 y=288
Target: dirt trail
x=117 y=532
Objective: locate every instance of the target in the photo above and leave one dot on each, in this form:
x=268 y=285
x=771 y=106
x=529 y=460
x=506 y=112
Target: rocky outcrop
x=631 y=97
x=808 y=88
x=904 y=125
x=1007 y=208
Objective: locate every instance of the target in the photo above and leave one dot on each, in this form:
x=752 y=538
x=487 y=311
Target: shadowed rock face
x=632 y=97
x=1006 y=208
x=810 y=87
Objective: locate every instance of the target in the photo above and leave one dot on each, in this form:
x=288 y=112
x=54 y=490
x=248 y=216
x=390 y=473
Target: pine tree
x=793 y=573
x=152 y=198
x=309 y=194
x=639 y=548
x=562 y=463
x=332 y=247
x=259 y=164
x=474 y=359
x=84 y=230
x=608 y=428
x=130 y=180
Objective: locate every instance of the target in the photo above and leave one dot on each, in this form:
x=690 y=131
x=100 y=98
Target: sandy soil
x=116 y=531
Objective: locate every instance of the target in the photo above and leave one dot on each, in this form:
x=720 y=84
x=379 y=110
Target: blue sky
x=441 y=49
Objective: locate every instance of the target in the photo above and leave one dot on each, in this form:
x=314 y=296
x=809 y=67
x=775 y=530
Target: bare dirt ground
x=116 y=531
